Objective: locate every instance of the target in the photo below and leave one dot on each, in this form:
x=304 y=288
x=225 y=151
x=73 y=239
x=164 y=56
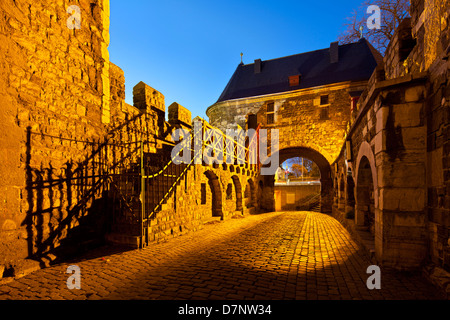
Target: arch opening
x=216 y=194
x=238 y=192
x=350 y=202
x=365 y=199
x=313 y=171
x=250 y=194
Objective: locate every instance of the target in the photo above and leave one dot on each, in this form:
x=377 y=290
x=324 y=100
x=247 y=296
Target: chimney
x=257 y=66
x=334 y=52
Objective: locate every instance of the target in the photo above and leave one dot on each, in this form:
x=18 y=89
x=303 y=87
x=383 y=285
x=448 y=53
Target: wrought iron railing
x=157 y=186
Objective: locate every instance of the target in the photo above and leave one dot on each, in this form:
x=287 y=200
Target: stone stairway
x=160 y=184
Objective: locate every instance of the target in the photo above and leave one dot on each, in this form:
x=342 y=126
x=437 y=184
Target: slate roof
x=357 y=61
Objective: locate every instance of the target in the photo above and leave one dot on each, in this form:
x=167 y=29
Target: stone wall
x=387 y=162
x=294 y=197
x=227 y=114
x=431 y=28
x=205 y=195
x=397 y=142
x=69 y=135
x=314 y=129
x=55 y=83
x=67 y=128
x=303 y=122
x=299 y=116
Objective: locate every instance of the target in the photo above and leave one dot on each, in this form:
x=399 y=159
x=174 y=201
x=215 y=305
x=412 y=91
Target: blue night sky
x=188 y=50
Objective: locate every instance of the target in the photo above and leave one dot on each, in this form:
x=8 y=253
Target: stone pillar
x=326 y=192
x=147 y=99
x=400 y=152
x=179 y=116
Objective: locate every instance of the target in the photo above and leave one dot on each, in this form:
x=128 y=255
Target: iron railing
x=157 y=186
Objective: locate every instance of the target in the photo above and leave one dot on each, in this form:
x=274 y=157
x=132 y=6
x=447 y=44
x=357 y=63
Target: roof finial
x=361 y=28
x=241 y=57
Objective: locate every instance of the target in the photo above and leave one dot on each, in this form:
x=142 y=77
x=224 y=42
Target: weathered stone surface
x=179 y=114
x=408 y=147
x=146 y=98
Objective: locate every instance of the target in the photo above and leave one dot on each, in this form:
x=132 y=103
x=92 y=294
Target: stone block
x=414 y=137
x=408 y=219
x=178 y=113
x=381 y=116
x=414 y=94
x=379 y=142
x=399 y=174
x=402 y=199
x=403 y=255
x=146 y=98
x=408 y=115
x=435 y=176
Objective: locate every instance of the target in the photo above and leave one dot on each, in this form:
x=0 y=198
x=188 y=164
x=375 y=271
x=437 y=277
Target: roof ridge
x=298 y=54
x=357 y=63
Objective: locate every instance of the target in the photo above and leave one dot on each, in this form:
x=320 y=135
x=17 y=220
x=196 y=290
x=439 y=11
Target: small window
x=324 y=100
x=229 y=192
x=294 y=80
x=203 y=193
x=270 y=113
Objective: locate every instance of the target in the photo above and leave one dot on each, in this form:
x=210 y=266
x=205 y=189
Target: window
x=324 y=100
x=270 y=112
x=203 y=193
x=294 y=80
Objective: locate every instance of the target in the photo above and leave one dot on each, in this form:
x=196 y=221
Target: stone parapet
x=147 y=98
x=179 y=115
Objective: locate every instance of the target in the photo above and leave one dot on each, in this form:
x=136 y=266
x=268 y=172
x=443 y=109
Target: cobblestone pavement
x=287 y=255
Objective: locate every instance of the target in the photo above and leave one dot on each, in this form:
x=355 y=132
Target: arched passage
x=250 y=194
x=365 y=198
x=216 y=194
x=342 y=195
x=350 y=194
x=322 y=163
x=238 y=192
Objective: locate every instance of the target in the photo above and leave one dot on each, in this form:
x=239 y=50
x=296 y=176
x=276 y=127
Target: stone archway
x=341 y=192
x=238 y=192
x=216 y=194
x=250 y=194
x=322 y=163
x=365 y=196
x=350 y=193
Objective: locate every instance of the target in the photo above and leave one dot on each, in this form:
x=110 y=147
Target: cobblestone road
x=290 y=255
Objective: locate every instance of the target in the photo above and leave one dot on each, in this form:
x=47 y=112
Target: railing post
x=142 y=195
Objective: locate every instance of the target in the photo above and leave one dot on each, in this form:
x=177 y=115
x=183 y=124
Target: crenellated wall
x=66 y=128
x=68 y=134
